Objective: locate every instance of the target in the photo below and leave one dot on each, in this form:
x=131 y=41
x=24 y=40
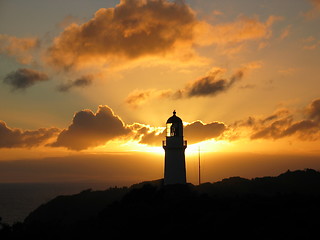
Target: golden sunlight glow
x=128 y=146
x=207 y=147
x=234 y=80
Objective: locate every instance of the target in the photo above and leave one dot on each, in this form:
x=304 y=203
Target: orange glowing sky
x=95 y=79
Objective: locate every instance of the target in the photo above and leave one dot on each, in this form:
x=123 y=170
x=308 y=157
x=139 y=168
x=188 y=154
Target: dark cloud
x=198 y=131
x=147 y=136
x=282 y=124
x=207 y=86
x=255 y=123
x=90 y=129
x=16 y=138
x=313 y=110
x=193 y=133
x=210 y=85
x=132 y=29
x=306 y=130
x=24 y=78
x=83 y=81
x=275 y=130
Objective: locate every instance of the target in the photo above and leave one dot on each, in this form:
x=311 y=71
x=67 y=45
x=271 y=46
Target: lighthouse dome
x=174 y=119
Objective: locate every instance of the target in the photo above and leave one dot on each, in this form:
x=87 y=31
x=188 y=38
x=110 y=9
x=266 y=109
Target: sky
x=86 y=87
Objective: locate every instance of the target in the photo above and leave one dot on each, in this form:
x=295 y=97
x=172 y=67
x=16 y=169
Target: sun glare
x=191 y=150
x=206 y=146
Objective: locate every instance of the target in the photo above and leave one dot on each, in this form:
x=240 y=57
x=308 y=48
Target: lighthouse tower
x=174 y=146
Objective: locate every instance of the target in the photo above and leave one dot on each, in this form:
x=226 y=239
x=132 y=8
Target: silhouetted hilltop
x=282 y=207
x=64 y=210
x=291 y=182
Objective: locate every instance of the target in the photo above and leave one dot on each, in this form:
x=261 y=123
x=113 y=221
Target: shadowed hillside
x=282 y=207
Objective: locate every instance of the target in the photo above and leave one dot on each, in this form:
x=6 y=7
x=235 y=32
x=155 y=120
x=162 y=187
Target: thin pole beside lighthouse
x=199 y=169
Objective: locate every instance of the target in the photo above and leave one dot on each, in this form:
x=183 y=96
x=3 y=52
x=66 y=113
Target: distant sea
x=17 y=200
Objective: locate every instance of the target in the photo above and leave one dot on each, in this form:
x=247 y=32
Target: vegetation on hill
x=282 y=207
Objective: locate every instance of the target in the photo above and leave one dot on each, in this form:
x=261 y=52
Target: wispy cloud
x=208 y=86
x=310 y=43
x=83 y=81
x=282 y=124
x=18 y=48
x=314 y=12
x=285 y=32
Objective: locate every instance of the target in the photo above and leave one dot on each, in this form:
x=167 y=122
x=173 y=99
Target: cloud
x=217 y=13
x=199 y=131
x=134 y=28
x=146 y=135
x=90 y=129
x=133 y=32
x=274 y=130
x=285 y=32
x=83 y=81
x=288 y=71
x=310 y=43
x=24 y=78
x=210 y=85
x=314 y=12
x=18 y=48
x=207 y=86
x=139 y=97
x=313 y=110
x=193 y=133
x=242 y=29
x=16 y=138
x=305 y=129
x=282 y=124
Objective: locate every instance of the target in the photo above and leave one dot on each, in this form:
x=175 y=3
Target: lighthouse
x=174 y=146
